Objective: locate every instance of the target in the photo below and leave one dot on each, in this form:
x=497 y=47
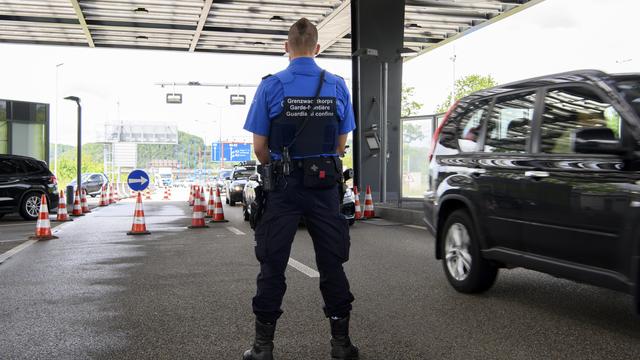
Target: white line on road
x=17 y=249
x=235 y=231
x=19 y=224
x=303 y=268
x=417 y=227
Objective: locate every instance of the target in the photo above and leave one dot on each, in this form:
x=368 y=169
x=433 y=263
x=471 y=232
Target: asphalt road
x=186 y=294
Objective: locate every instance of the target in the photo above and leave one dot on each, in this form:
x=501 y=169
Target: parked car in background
x=235 y=185
x=221 y=179
x=542 y=174
x=92 y=183
x=23 y=181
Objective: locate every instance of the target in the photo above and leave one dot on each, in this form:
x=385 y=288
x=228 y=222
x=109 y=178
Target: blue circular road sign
x=138 y=180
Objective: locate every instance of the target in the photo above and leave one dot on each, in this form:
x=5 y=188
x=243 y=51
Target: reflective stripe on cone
x=211 y=205
x=77 y=210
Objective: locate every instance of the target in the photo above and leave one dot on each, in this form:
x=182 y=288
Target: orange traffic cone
x=43 y=226
x=369 y=211
x=63 y=215
x=147 y=194
x=103 y=196
x=77 y=210
x=138 y=227
x=218 y=215
x=211 y=206
x=110 y=194
x=197 y=219
x=83 y=202
x=358 y=215
x=166 y=194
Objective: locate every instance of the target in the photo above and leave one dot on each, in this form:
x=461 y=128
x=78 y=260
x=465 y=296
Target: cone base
x=43 y=237
x=62 y=220
x=138 y=233
x=218 y=221
x=197 y=227
x=86 y=212
x=77 y=214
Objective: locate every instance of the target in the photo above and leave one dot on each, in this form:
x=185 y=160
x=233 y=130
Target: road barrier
x=43 y=226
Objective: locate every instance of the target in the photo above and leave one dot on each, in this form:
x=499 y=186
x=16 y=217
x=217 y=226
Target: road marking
x=303 y=268
x=235 y=231
x=17 y=249
x=19 y=224
x=417 y=227
x=14 y=240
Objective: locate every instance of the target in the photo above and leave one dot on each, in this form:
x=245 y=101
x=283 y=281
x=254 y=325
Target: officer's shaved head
x=303 y=38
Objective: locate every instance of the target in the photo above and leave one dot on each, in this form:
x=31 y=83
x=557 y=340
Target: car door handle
x=536 y=174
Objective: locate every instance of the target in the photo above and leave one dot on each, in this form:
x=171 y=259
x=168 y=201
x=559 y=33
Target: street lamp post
x=79 y=160
x=55 y=145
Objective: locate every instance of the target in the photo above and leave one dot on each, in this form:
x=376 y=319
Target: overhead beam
x=83 y=22
x=494 y=19
x=204 y=15
x=335 y=26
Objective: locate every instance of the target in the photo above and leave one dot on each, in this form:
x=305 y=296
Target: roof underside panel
x=240 y=26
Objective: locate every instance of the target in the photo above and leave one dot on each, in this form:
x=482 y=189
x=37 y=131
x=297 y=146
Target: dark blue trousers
x=274 y=236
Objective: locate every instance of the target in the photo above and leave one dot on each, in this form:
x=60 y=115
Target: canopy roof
x=231 y=26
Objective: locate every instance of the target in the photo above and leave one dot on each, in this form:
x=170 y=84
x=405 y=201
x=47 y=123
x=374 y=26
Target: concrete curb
x=404 y=216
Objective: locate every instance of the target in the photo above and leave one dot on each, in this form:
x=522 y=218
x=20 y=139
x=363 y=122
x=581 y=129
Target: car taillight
x=436 y=135
x=53 y=180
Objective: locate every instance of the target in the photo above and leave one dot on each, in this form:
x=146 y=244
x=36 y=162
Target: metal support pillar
x=377 y=38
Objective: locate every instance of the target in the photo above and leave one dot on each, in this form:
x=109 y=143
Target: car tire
x=465 y=268
x=245 y=213
x=352 y=221
x=226 y=200
x=30 y=205
x=232 y=203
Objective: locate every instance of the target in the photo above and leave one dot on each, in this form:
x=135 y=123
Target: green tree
x=410 y=107
x=466 y=86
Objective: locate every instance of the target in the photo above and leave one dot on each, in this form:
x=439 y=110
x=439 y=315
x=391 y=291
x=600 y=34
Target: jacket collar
x=304 y=65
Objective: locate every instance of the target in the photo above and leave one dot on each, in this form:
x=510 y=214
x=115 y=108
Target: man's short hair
x=303 y=36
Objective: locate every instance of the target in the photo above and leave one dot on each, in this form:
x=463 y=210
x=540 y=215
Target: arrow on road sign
x=140 y=181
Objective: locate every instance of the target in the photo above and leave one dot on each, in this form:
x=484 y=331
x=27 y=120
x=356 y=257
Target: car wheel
x=232 y=203
x=246 y=213
x=352 y=221
x=226 y=200
x=466 y=270
x=30 y=206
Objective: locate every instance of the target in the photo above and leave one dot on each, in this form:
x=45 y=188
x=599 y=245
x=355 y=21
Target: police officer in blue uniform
x=300 y=118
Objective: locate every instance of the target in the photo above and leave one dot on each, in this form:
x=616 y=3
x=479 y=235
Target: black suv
x=23 y=180
x=542 y=174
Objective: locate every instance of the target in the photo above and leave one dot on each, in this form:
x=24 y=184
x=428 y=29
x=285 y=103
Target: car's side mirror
x=227 y=178
x=600 y=140
x=253 y=177
x=348 y=174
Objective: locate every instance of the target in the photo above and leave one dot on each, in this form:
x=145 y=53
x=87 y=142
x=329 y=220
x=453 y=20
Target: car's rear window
x=630 y=89
x=10 y=167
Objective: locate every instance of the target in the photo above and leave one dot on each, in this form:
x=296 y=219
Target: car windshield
x=242 y=174
x=224 y=174
x=630 y=89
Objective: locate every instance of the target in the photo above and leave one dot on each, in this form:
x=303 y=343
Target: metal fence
x=417 y=136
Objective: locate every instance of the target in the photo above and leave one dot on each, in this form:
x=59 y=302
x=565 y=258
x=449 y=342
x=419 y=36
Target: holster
x=257 y=207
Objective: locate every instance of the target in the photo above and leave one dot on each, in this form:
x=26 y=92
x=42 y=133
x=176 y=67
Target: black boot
x=262 y=348
x=341 y=346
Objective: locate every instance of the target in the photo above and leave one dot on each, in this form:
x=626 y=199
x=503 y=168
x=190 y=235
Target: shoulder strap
x=306 y=120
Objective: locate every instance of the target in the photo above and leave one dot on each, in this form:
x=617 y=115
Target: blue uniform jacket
x=268 y=101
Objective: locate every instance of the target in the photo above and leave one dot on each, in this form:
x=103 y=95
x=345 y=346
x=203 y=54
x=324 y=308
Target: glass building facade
x=24 y=129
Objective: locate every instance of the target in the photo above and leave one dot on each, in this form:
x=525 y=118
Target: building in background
x=24 y=129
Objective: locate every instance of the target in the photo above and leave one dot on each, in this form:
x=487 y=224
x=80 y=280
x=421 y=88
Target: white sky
x=554 y=36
